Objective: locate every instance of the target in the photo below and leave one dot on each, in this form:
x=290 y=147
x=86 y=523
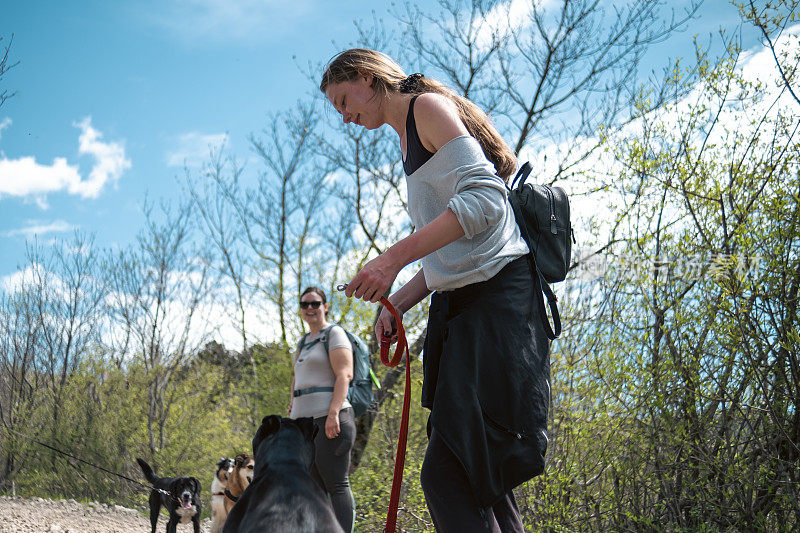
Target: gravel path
x=36 y=515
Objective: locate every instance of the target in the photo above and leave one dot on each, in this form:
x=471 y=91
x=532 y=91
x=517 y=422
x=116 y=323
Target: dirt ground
x=36 y=515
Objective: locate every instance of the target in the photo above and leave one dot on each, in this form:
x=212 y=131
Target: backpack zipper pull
x=553 y=228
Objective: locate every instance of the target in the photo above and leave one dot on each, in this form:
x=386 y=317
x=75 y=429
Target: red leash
x=400 y=456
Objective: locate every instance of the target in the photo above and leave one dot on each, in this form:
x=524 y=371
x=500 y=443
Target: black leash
x=162 y=491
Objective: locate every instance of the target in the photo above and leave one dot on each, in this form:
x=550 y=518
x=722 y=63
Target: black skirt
x=486 y=364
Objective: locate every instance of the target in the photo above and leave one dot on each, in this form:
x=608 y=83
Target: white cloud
x=16 y=281
x=759 y=64
x=40 y=228
x=193 y=149
x=110 y=161
x=47 y=285
x=506 y=15
x=25 y=177
x=3 y=125
x=215 y=317
x=239 y=20
x=261 y=322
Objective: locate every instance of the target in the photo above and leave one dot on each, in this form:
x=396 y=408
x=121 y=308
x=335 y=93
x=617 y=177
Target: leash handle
x=386 y=339
x=400 y=456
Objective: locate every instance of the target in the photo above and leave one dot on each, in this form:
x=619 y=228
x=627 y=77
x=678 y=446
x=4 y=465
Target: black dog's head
x=275 y=429
x=186 y=491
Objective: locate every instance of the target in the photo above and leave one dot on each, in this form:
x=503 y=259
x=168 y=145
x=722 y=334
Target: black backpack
x=360 y=393
x=542 y=213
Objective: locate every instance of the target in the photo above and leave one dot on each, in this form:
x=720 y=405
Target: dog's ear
x=273 y=422
x=308 y=428
x=269 y=425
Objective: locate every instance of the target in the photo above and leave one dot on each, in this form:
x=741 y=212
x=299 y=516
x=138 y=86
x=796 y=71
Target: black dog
x=283 y=498
x=182 y=499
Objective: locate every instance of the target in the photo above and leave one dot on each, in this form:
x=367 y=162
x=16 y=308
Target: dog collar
x=230 y=496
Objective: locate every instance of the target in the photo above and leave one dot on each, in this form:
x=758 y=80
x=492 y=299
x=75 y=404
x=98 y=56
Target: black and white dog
x=218 y=486
x=182 y=499
x=283 y=497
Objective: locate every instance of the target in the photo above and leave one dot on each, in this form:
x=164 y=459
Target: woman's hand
x=332 y=425
x=377 y=276
x=386 y=323
x=375 y=279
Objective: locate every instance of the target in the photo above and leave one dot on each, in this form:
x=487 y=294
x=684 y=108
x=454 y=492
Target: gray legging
x=332 y=464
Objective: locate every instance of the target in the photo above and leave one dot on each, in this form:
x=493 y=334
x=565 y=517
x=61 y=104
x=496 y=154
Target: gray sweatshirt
x=460 y=178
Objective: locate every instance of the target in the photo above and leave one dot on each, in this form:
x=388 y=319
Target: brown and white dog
x=218 y=486
x=240 y=477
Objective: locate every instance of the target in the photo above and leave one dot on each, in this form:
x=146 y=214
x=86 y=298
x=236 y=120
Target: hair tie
x=410 y=84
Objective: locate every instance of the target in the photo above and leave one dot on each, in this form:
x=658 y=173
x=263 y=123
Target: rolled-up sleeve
x=460 y=178
x=479 y=199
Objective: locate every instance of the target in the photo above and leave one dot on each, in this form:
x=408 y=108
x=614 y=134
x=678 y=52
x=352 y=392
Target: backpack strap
x=540 y=285
x=324 y=337
x=522 y=174
x=309 y=390
x=300 y=346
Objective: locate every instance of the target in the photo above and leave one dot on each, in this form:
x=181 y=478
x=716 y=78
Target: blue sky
x=113 y=98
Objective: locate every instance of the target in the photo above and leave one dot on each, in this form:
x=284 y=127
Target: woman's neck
x=396 y=112
x=316 y=327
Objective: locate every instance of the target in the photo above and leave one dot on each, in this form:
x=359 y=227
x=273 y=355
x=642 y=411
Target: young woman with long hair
x=486 y=357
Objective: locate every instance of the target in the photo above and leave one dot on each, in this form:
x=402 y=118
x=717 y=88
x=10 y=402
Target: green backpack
x=360 y=393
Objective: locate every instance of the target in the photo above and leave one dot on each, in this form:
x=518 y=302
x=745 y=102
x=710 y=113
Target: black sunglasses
x=314 y=305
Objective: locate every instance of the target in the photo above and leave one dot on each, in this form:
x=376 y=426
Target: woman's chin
x=368 y=124
x=312 y=321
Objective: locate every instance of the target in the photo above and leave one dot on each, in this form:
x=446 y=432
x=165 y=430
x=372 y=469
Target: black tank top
x=416 y=153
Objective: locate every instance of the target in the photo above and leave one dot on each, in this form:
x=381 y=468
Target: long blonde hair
x=389 y=78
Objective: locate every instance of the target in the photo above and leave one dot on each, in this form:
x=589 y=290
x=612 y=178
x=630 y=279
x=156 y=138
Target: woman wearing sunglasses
x=319 y=390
